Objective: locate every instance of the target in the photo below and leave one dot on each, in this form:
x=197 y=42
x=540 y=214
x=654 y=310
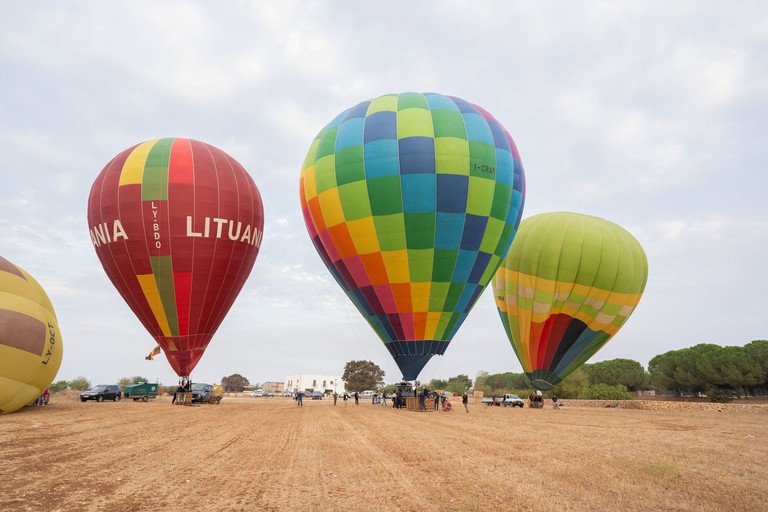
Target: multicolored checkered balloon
x=568 y=283
x=412 y=201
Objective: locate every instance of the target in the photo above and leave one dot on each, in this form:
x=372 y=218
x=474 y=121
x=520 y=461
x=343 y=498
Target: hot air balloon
x=412 y=200
x=568 y=283
x=177 y=225
x=30 y=340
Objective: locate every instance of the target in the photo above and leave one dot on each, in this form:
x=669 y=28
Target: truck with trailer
x=141 y=391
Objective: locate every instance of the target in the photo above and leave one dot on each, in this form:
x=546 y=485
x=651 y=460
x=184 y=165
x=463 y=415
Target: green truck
x=142 y=391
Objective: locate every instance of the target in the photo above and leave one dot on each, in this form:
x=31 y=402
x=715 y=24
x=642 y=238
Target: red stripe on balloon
x=182 y=283
x=180 y=165
x=560 y=324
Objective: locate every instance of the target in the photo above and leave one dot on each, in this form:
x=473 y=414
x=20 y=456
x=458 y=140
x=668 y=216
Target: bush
x=719 y=396
x=606 y=392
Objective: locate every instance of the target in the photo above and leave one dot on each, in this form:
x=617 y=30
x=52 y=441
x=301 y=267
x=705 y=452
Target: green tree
x=438 y=384
x=500 y=383
x=59 y=385
x=618 y=371
x=458 y=384
x=606 y=392
x=734 y=369
x=235 y=383
x=362 y=375
x=80 y=384
x=757 y=351
x=127 y=381
x=572 y=385
x=684 y=371
x=663 y=369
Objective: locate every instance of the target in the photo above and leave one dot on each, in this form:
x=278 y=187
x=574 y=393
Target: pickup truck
x=507 y=400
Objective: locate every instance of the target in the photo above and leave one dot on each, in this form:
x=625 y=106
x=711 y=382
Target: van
x=201 y=393
x=367 y=393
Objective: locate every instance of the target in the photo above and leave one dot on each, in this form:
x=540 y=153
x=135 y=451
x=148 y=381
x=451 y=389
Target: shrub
x=606 y=392
x=718 y=395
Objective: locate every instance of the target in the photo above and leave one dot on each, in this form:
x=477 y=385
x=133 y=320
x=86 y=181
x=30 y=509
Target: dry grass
x=251 y=454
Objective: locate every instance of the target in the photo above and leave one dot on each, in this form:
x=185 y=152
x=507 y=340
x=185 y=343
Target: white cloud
x=649 y=114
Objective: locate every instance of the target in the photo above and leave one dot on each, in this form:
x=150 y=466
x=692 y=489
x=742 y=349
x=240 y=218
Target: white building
x=306 y=381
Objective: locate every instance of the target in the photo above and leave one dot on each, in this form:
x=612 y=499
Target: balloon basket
x=412 y=404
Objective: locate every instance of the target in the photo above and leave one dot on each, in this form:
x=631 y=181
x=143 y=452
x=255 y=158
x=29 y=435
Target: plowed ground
x=267 y=454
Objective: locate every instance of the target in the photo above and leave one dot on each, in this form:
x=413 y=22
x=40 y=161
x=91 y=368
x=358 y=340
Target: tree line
x=713 y=370
x=720 y=373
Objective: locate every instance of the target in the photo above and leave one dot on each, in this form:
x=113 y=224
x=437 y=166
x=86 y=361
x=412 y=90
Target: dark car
x=102 y=392
x=317 y=395
x=201 y=393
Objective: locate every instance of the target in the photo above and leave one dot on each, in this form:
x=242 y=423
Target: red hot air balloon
x=177 y=225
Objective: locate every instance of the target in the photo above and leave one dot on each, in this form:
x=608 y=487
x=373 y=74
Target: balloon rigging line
x=344 y=299
x=715 y=292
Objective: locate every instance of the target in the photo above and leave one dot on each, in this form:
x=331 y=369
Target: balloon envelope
x=177 y=225
x=412 y=201
x=568 y=283
x=30 y=340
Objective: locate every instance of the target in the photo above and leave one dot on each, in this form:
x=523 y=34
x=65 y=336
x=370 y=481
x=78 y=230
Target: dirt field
x=266 y=454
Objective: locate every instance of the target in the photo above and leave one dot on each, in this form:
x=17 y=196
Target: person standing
x=465 y=401
x=437 y=401
x=335 y=397
x=299 y=396
x=357 y=398
x=422 y=398
x=383 y=398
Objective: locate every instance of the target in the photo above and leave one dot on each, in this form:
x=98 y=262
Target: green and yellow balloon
x=568 y=283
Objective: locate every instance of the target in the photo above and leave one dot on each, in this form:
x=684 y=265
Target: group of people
x=184 y=387
x=440 y=400
x=42 y=399
x=536 y=400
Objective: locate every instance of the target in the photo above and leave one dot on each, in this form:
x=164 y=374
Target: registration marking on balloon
x=30 y=340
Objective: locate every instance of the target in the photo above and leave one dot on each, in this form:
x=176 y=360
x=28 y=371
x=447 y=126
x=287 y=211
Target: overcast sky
x=650 y=114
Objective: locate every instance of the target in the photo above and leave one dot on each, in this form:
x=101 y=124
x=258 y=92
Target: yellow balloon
x=30 y=340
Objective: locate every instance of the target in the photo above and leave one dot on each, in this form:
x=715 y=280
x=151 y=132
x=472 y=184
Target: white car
x=367 y=393
x=257 y=392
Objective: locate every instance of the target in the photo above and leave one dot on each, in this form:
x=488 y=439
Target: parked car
x=368 y=393
x=102 y=392
x=257 y=392
x=201 y=393
x=287 y=393
x=505 y=401
x=317 y=395
x=269 y=392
